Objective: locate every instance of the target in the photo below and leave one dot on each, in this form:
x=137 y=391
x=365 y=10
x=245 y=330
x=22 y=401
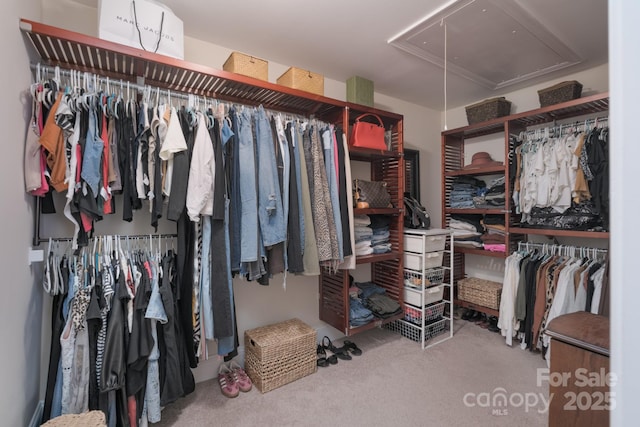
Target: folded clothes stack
x=466 y=230
x=491 y=197
x=373 y=298
x=380 y=243
x=494 y=235
x=362 y=234
x=463 y=190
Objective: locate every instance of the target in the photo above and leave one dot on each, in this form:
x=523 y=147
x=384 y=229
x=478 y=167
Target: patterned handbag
x=373 y=193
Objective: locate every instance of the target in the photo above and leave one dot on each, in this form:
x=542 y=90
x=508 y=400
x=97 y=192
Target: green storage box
x=360 y=91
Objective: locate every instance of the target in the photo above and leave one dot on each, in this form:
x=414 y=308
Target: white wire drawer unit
x=428 y=289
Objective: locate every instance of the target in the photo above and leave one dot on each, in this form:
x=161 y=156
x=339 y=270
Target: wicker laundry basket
x=278 y=354
x=480 y=291
x=86 y=419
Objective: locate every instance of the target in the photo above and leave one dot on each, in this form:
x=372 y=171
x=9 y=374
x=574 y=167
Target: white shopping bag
x=144 y=24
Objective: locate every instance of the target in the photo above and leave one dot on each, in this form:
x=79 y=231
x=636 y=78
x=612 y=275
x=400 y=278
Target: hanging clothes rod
x=88 y=80
x=566 y=250
x=123 y=236
x=562 y=129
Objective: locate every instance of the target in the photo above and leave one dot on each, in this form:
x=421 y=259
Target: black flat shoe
x=493 y=324
x=340 y=352
x=322 y=357
x=352 y=347
x=468 y=315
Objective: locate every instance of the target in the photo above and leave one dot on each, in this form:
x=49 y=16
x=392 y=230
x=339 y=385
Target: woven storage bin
x=86 y=419
x=488 y=109
x=480 y=291
x=298 y=78
x=246 y=65
x=360 y=91
x=562 y=92
x=278 y=354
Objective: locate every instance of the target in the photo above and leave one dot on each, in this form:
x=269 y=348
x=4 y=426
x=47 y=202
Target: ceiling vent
x=495 y=43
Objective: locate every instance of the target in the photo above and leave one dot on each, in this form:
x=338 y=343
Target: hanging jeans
x=248 y=191
x=232 y=164
x=270 y=213
x=92 y=155
x=228 y=344
x=221 y=277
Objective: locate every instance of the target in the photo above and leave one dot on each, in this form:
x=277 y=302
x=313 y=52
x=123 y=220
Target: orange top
x=53 y=141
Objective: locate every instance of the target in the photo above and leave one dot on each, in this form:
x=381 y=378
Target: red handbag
x=368 y=135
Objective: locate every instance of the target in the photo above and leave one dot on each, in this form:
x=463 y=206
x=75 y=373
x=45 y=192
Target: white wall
x=624 y=35
x=21 y=302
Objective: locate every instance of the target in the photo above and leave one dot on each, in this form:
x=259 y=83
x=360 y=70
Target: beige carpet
x=393 y=383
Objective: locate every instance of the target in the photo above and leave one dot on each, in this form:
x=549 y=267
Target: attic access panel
x=494 y=43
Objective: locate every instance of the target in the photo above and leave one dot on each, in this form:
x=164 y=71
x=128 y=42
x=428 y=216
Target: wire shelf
x=413 y=332
x=432 y=313
x=431 y=277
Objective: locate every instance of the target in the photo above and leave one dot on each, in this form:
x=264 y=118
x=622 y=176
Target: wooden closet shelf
x=476 y=307
x=373 y=324
x=481 y=211
x=367 y=259
x=491 y=170
x=368 y=154
x=586 y=105
x=54 y=46
x=478 y=251
x=377 y=211
x=560 y=233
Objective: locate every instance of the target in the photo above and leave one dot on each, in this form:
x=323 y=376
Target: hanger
x=46 y=282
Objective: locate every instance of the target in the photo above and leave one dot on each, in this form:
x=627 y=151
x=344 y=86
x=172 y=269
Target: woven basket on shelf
x=306 y=80
x=561 y=92
x=279 y=354
x=488 y=109
x=480 y=291
x=247 y=65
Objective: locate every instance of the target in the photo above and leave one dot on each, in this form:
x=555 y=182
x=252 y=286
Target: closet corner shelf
x=498 y=211
x=560 y=233
x=367 y=259
x=368 y=154
x=59 y=47
x=481 y=252
x=586 y=105
x=477 y=129
x=476 y=307
x=373 y=324
x=377 y=211
x=491 y=170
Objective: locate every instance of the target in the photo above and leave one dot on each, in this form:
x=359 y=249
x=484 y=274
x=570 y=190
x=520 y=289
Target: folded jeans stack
x=380 y=243
x=362 y=234
x=359 y=314
x=464 y=189
x=375 y=299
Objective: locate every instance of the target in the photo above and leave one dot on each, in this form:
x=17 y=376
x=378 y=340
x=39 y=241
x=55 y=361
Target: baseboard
x=36 y=418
